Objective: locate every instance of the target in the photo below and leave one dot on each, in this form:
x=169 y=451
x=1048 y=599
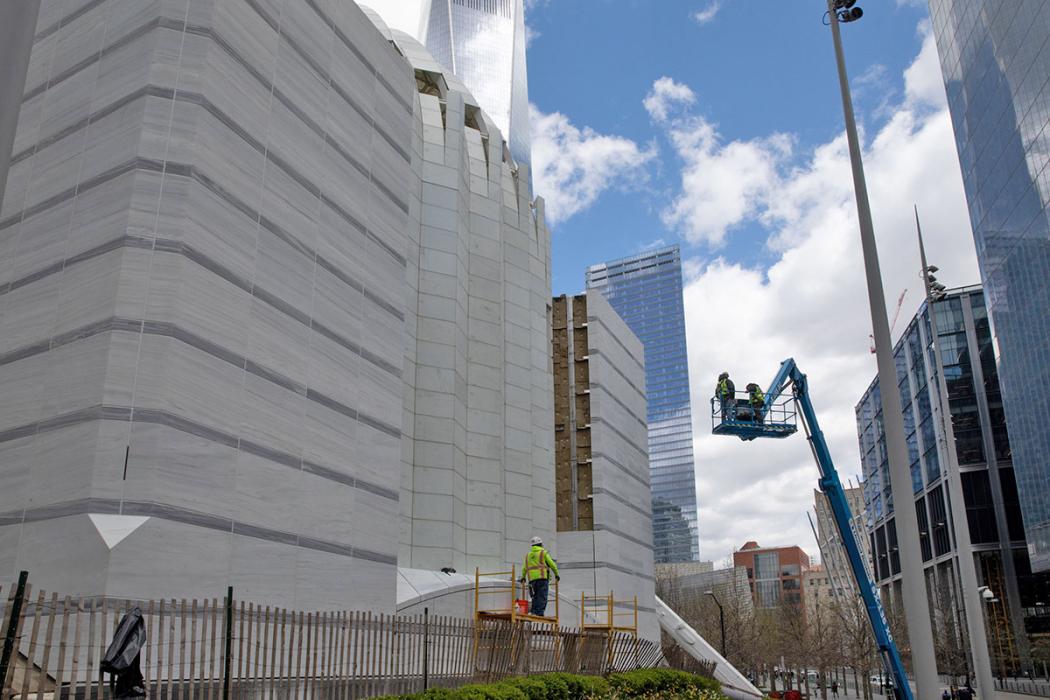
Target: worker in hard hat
x=725 y=391
x=537 y=572
x=757 y=400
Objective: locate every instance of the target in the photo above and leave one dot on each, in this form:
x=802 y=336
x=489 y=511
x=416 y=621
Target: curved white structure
x=733 y=681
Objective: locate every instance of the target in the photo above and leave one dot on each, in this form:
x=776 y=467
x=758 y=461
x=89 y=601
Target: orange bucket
x=522 y=605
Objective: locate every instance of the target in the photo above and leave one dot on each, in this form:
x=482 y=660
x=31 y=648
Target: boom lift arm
x=790 y=376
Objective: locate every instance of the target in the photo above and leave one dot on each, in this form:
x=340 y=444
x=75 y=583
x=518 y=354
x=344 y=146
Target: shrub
x=646 y=684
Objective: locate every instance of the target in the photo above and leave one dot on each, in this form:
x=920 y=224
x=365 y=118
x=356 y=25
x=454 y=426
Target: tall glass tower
x=483 y=43
x=996 y=65
x=646 y=290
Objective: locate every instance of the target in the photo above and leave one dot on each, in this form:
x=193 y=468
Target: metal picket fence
x=222 y=648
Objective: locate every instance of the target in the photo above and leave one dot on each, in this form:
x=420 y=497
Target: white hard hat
x=536 y=540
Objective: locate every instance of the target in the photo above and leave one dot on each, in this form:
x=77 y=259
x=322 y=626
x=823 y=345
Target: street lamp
x=721 y=620
x=913 y=579
x=967 y=571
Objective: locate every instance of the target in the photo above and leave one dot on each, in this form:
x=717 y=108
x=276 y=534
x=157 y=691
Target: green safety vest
x=537 y=563
x=758 y=398
x=723 y=388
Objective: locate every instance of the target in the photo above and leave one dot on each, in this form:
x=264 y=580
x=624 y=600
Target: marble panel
x=151 y=562
x=326 y=581
x=179 y=469
x=220 y=232
x=208 y=305
x=379 y=455
x=327 y=511
x=64 y=463
x=276 y=340
x=197 y=385
x=305 y=30
x=64 y=554
x=284 y=271
x=100 y=215
x=255 y=41
x=272 y=415
x=16 y=461
x=331 y=440
x=29 y=314
x=295 y=142
x=288 y=204
x=333 y=369
x=260 y=571
x=76 y=376
x=266 y=494
x=229 y=156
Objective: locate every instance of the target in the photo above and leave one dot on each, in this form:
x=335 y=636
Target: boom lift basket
x=777 y=419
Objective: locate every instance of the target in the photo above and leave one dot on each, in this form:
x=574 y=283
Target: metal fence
x=225 y=648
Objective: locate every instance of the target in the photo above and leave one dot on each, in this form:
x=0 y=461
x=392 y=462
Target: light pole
x=721 y=620
x=982 y=663
x=913 y=578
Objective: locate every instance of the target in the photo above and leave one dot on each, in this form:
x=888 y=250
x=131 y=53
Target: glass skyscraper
x=646 y=290
x=996 y=64
x=483 y=43
x=987 y=474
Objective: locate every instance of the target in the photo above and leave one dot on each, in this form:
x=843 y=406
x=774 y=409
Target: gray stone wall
x=478 y=468
x=203 y=247
x=617 y=555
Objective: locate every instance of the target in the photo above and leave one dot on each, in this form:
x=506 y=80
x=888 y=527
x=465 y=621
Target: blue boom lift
x=776 y=417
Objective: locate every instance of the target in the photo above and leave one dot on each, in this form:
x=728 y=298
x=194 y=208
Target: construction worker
x=725 y=390
x=537 y=572
x=757 y=401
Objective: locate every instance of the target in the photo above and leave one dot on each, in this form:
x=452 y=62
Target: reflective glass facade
x=483 y=43
x=983 y=449
x=646 y=290
x=996 y=65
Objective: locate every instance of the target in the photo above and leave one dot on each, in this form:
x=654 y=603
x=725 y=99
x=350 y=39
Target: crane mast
x=777 y=419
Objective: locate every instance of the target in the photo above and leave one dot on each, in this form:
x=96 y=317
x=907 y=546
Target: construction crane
x=893 y=323
x=777 y=416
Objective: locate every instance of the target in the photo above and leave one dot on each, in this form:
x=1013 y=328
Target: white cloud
x=708 y=13
x=573 y=166
x=811 y=303
x=665 y=95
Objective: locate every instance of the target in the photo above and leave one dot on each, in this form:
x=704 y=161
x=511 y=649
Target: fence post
x=228 y=648
x=426 y=648
x=12 y=628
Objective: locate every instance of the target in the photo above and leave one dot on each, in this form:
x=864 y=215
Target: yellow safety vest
x=758 y=398
x=537 y=563
x=723 y=389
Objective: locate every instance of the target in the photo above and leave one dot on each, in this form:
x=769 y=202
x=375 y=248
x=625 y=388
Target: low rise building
x=774 y=574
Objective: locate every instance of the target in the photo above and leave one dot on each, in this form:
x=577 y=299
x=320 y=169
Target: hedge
x=649 y=683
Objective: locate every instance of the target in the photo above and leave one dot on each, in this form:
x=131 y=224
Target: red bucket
x=522 y=606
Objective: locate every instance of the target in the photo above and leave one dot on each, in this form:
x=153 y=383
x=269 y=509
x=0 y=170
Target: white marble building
x=269 y=316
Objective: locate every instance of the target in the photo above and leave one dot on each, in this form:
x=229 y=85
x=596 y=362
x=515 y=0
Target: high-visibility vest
x=723 y=388
x=757 y=398
x=537 y=564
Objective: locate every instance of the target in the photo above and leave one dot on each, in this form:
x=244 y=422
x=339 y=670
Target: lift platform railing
x=737 y=416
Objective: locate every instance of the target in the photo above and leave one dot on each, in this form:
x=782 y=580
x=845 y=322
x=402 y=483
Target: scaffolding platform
x=501 y=601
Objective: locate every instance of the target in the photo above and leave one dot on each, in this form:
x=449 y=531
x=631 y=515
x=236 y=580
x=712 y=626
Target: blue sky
x=756 y=67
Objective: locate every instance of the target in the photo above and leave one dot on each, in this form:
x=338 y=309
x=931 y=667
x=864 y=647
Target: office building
x=774 y=574
x=987 y=473
x=646 y=291
x=833 y=558
x=483 y=43
x=996 y=67
x=605 y=536
x=254 y=315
